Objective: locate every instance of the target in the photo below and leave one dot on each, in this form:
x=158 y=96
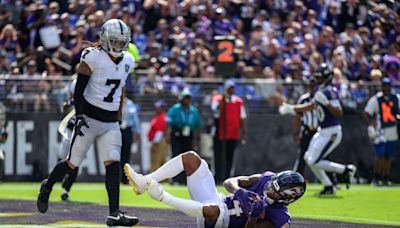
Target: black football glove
x=80 y=121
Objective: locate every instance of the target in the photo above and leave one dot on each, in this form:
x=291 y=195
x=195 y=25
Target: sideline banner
x=33 y=144
x=32 y=148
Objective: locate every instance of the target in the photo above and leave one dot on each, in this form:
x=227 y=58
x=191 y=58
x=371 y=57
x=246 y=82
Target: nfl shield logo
x=126 y=68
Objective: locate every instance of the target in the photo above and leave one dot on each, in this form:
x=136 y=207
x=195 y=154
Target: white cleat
x=155 y=190
x=138 y=182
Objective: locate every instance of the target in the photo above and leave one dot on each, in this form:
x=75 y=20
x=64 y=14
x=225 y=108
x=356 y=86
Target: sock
x=189 y=207
x=112 y=186
x=67 y=184
x=170 y=169
x=58 y=173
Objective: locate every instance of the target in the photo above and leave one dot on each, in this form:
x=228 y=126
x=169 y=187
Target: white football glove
x=286 y=108
x=321 y=98
x=371 y=132
x=155 y=190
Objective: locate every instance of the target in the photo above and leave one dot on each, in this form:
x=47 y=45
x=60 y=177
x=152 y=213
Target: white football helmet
x=115 y=36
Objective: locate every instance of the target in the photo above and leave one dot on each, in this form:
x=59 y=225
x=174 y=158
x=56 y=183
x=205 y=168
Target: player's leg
x=79 y=147
x=334 y=140
x=390 y=150
x=191 y=208
x=67 y=184
x=109 y=150
x=69 y=179
x=315 y=149
x=380 y=149
x=127 y=139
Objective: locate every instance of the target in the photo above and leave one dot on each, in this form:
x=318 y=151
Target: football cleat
x=328 y=190
x=119 y=218
x=349 y=174
x=65 y=196
x=43 y=197
x=138 y=182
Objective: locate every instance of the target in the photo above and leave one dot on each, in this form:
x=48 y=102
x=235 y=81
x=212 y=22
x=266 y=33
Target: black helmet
x=325 y=73
x=288 y=184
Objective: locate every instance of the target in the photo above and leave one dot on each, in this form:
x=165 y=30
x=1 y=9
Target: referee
x=304 y=127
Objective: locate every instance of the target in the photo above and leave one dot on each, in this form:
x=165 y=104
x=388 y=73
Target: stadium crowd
x=274 y=40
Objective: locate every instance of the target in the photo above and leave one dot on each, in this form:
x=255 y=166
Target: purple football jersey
x=278 y=215
x=325 y=117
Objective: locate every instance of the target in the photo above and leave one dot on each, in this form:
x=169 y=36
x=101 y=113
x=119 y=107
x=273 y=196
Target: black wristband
x=79 y=100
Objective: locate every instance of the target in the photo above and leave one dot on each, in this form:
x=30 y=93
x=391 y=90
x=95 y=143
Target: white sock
x=189 y=207
x=170 y=169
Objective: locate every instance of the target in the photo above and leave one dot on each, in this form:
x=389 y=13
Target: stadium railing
x=22 y=93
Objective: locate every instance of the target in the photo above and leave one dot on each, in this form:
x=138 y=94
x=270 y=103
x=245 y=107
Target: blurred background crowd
x=276 y=40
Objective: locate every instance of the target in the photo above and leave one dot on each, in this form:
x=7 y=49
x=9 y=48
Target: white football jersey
x=105 y=84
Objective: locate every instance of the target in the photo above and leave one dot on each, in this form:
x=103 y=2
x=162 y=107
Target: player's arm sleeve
x=84 y=72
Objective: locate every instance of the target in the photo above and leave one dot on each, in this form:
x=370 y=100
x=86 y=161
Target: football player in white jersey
x=102 y=73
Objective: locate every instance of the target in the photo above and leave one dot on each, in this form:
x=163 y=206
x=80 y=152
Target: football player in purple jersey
x=329 y=135
x=258 y=200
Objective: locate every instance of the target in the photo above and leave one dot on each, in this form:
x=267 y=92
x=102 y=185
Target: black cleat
x=349 y=174
x=328 y=190
x=43 y=198
x=65 y=196
x=120 y=218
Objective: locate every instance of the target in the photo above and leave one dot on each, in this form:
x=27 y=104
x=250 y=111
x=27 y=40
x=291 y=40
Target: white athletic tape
x=64 y=122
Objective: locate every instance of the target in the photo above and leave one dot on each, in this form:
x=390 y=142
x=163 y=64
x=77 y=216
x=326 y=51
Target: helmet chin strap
x=269 y=200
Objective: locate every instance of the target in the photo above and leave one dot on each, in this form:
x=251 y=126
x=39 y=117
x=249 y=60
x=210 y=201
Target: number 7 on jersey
x=109 y=82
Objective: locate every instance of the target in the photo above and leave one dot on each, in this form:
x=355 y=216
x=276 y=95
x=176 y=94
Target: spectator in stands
x=359 y=91
x=184 y=128
x=9 y=42
x=4 y=64
x=392 y=67
x=278 y=97
x=230 y=128
x=270 y=32
x=199 y=59
x=157 y=136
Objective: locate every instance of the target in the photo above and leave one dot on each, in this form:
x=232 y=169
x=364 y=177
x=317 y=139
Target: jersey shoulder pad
x=89 y=56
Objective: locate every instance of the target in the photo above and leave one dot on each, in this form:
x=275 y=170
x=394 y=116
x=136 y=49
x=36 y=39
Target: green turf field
x=360 y=204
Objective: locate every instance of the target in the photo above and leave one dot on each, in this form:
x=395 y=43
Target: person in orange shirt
x=231 y=130
x=156 y=135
